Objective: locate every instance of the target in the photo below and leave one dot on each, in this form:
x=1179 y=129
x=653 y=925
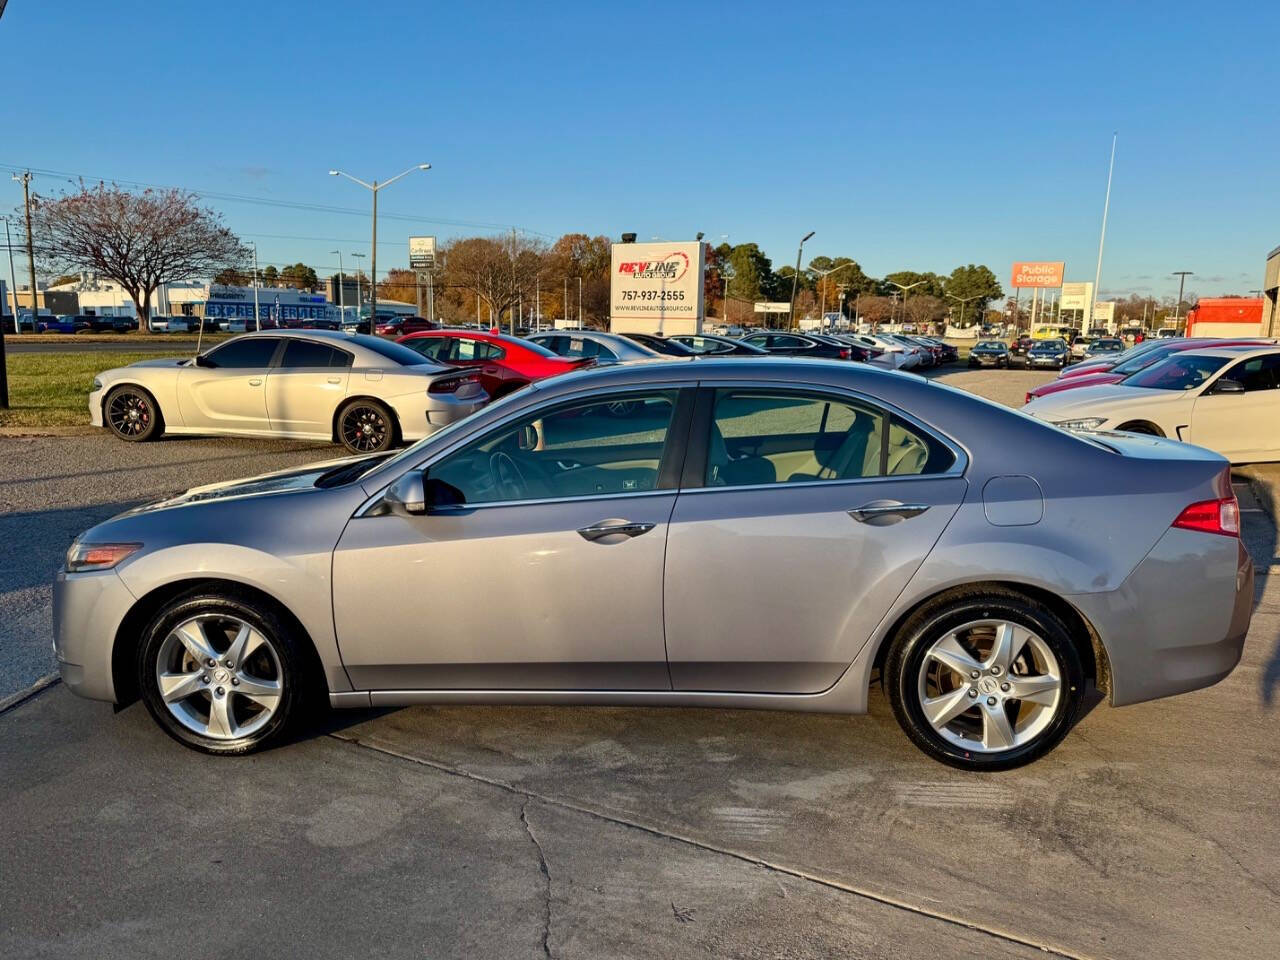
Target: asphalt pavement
x=611 y=832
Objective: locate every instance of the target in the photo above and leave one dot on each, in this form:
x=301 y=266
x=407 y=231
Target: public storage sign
x=1038 y=273
x=656 y=287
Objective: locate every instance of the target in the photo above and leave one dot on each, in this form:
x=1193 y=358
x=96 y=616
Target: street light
x=963 y=301
x=257 y=319
x=1182 y=280
x=905 y=289
x=342 y=305
x=373 y=268
x=795 y=278
x=360 y=294
x=822 y=275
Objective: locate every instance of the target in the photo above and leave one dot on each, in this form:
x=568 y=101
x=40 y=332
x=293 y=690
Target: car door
x=539 y=567
x=481 y=356
x=227 y=389
x=1243 y=425
x=306 y=386
x=800 y=520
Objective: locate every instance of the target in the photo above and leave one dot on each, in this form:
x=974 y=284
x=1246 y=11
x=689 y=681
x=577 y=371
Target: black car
x=800 y=345
x=669 y=348
x=989 y=353
x=949 y=352
x=856 y=350
x=714 y=345
x=1049 y=353
x=1018 y=348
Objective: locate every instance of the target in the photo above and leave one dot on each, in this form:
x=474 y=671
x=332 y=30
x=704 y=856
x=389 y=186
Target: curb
x=22 y=696
x=80 y=431
x=1265 y=485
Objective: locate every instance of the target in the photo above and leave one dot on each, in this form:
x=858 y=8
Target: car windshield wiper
x=347 y=472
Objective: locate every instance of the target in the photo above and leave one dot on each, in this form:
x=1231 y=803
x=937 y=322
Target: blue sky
x=908 y=136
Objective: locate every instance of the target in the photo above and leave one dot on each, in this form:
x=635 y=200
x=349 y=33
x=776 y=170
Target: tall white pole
x=342 y=304
x=257 y=323
x=1106 y=207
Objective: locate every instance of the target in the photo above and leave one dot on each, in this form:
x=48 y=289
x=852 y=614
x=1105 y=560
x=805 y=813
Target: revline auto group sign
x=656 y=287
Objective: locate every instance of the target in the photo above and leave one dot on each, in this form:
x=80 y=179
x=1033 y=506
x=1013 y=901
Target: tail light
x=1220 y=516
x=845 y=353
x=1029 y=398
x=453 y=384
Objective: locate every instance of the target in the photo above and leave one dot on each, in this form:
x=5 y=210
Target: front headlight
x=1085 y=423
x=98 y=556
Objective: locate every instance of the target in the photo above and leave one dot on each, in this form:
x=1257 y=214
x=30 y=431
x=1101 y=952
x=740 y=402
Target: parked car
x=720 y=346
x=857 y=351
x=1047 y=353
x=505 y=364
x=1168 y=333
x=1226 y=399
x=947 y=352
x=989 y=353
x=603 y=348
x=662 y=345
x=1133 y=335
x=63 y=323
x=97 y=324
x=957 y=568
x=1054 y=332
x=799 y=345
x=1107 y=346
x=1018 y=348
x=288 y=383
x=416 y=325
x=389 y=325
x=1080 y=344
x=1106 y=363
x=25 y=321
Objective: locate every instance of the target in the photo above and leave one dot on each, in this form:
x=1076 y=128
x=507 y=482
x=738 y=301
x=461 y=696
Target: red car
x=1116 y=373
x=505 y=363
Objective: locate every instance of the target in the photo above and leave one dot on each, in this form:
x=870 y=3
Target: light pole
x=257 y=320
x=360 y=294
x=963 y=301
x=373 y=266
x=906 y=288
x=17 y=328
x=579 y=302
x=795 y=279
x=342 y=306
x=823 y=274
x=1182 y=280
x=1087 y=317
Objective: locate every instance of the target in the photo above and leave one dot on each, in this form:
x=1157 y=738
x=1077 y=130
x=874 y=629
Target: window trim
x=693 y=478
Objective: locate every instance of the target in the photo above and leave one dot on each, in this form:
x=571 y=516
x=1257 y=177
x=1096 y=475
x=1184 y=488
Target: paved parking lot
x=597 y=832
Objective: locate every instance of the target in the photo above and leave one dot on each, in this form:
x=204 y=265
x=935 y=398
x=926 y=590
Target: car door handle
x=613 y=528
x=335 y=380
x=887 y=511
x=255 y=381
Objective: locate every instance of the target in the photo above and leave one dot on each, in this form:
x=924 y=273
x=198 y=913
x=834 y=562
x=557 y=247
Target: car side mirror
x=406 y=497
x=203 y=361
x=1227 y=385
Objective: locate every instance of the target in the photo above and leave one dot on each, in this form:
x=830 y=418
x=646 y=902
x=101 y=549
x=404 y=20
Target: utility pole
x=579 y=302
x=795 y=280
x=4 y=364
x=1182 y=280
x=31 y=254
x=511 y=317
x=342 y=306
x=1106 y=207
x=565 y=311
x=257 y=319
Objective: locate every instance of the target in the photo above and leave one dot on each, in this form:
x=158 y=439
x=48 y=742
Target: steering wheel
x=508 y=480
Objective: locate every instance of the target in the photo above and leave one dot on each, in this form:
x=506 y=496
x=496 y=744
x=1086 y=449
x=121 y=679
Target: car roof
x=599 y=336
x=1237 y=351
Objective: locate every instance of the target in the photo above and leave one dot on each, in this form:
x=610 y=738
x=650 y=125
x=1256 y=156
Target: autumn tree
x=498 y=270
x=578 y=255
x=138 y=240
x=399 y=284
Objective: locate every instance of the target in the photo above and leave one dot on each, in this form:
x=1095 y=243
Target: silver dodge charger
x=743 y=534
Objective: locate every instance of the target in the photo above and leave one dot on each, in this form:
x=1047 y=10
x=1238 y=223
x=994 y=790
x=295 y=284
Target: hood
x=1096 y=401
x=1074 y=383
x=279 y=481
x=160 y=362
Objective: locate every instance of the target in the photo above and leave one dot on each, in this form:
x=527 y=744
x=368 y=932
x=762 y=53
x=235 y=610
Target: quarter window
x=585 y=449
x=762 y=437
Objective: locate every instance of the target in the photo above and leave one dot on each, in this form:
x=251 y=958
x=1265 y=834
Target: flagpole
x=1106 y=207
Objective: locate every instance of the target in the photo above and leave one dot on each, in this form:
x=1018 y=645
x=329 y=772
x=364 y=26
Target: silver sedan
x=363 y=392
x=742 y=534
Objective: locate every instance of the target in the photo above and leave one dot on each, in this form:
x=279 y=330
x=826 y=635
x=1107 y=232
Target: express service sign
x=656 y=287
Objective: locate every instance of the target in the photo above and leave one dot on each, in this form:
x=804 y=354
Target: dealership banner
x=656 y=287
x=1038 y=273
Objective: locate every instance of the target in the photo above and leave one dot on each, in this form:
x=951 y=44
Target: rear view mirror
x=1227 y=385
x=527 y=437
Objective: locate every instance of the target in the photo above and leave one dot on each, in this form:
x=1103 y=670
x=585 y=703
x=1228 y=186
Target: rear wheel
x=985 y=681
x=131 y=414
x=366 y=426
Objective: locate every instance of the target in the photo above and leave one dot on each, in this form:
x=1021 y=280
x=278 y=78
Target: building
x=1227 y=317
x=106 y=298
x=1270 y=294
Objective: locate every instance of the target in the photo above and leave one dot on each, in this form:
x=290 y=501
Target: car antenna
x=199 y=337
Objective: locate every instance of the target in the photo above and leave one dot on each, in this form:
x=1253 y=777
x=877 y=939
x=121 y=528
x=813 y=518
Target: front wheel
x=366 y=426
x=985 y=681
x=131 y=414
x=220 y=674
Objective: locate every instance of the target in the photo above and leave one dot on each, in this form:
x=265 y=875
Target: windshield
x=990 y=345
x=395 y=352
x=1049 y=346
x=1182 y=371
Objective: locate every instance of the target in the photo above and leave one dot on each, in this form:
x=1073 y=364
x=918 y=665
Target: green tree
x=299 y=276
x=270 y=275
x=751 y=272
x=930 y=284
x=977 y=282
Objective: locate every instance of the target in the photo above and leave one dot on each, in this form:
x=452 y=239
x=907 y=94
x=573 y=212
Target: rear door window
x=300 y=354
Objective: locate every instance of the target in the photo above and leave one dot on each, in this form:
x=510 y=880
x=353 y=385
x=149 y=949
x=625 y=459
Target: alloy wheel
x=219 y=676
x=364 y=429
x=990 y=686
x=129 y=413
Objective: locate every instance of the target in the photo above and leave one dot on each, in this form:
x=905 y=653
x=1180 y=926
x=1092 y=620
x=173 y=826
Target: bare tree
x=139 y=240
x=498 y=270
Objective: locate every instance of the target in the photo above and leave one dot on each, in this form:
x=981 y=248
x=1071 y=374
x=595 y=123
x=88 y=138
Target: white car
x=364 y=392
x=1224 y=398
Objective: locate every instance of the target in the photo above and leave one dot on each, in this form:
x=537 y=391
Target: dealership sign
x=1038 y=273
x=1075 y=296
x=422 y=253
x=656 y=287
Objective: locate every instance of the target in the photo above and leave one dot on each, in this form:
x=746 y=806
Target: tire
x=930 y=664
x=132 y=414
x=1150 y=430
x=213 y=622
x=366 y=426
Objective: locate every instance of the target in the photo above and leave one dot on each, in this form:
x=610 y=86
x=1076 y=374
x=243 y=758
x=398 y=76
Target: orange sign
x=1038 y=274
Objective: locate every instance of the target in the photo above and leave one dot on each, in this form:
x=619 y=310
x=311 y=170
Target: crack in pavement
x=996 y=933
x=546 y=874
